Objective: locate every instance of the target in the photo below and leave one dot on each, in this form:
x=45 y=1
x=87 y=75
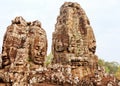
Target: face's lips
x=6 y=61
x=38 y=60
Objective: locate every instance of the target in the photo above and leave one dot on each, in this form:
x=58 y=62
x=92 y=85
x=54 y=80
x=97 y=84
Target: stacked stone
x=73 y=47
x=73 y=40
x=24 y=50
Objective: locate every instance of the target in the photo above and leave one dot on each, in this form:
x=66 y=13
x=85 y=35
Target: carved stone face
x=38 y=60
x=38 y=55
x=38 y=47
x=59 y=46
x=6 y=60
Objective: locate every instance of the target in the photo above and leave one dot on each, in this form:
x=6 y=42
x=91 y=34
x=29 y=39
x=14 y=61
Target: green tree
x=107 y=70
x=101 y=62
x=48 y=59
x=117 y=74
x=110 y=67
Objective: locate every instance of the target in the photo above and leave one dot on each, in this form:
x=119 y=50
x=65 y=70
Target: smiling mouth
x=38 y=60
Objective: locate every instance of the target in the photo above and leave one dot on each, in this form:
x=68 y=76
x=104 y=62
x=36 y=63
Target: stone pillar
x=73 y=40
x=24 y=50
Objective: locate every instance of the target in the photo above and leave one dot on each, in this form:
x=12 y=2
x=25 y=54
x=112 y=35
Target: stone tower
x=24 y=50
x=73 y=40
x=73 y=47
x=24 y=41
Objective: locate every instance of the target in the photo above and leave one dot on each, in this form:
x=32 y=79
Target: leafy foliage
x=110 y=67
x=48 y=59
x=117 y=74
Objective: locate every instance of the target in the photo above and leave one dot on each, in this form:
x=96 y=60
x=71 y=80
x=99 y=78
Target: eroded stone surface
x=24 y=49
x=73 y=47
x=73 y=40
x=24 y=41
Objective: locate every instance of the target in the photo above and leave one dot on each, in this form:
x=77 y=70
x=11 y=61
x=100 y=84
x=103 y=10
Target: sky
x=104 y=16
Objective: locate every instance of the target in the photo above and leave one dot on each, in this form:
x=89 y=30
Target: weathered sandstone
x=74 y=61
x=73 y=41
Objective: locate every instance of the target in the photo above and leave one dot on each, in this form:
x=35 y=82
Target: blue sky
x=104 y=16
